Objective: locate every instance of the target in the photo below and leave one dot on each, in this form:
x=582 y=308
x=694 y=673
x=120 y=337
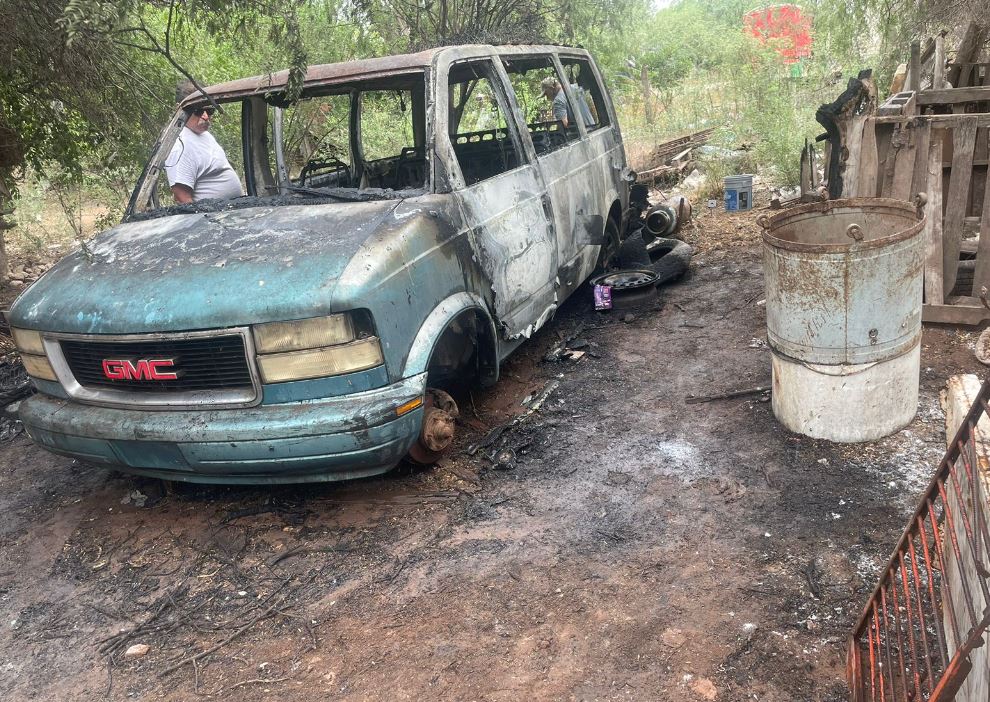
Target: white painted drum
x=846 y=403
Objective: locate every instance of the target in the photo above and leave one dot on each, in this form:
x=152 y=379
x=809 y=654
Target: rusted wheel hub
x=439 y=427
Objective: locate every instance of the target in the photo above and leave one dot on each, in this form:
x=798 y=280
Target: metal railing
x=931 y=608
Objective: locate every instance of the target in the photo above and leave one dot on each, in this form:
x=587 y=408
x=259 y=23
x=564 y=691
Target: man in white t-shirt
x=197 y=168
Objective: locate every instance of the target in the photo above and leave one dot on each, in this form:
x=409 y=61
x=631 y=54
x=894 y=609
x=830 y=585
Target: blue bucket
x=738 y=193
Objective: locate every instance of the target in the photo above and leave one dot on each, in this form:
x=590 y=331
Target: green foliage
x=89 y=83
x=386 y=123
x=58 y=103
x=704 y=70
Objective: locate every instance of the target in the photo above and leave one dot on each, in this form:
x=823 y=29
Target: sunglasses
x=208 y=111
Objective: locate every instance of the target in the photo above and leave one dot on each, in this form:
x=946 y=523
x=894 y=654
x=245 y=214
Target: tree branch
x=157 y=48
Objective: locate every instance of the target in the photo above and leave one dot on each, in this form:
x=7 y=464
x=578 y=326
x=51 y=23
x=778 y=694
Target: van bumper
x=337 y=438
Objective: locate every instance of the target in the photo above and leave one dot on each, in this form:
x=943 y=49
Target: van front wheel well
x=464 y=355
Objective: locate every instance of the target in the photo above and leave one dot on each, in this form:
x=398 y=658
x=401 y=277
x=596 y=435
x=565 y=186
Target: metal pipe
x=659 y=220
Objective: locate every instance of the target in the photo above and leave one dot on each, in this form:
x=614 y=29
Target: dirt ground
x=616 y=544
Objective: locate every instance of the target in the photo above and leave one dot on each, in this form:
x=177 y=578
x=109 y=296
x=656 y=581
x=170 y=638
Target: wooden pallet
x=935 y=141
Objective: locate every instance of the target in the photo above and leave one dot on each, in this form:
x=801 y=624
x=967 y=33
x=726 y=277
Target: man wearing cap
x=197 y=167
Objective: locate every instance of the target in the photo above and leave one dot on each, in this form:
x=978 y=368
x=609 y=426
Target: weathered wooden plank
x=976 y=161
x=914 y=67
x=869 y=161
x=938 y=80
x=885 y=157
x=904 y=146
x=977 y=189
x=927 y=63
x=893 y=146
x=982 y=152
x=955 y=313
x=928 y=53
x=853 y=141
x=961 y=392
x=981 y=277
x=953 y=96
x=923 y=140
x=963 y=143
x=934 y=290
x=982 y=119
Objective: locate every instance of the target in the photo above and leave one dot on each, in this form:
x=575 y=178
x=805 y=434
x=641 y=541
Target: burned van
x=401 y=227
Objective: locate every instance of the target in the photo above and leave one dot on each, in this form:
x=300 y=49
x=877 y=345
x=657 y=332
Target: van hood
x=203 y=271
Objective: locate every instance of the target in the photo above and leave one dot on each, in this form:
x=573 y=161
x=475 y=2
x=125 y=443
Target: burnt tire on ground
x=633 y=253
x=669 y=259
x=14 y=382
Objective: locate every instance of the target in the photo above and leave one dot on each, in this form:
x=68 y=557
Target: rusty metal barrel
x=844 y=292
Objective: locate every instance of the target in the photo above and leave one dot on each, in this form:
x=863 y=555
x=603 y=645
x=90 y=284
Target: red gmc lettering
x=143 y=369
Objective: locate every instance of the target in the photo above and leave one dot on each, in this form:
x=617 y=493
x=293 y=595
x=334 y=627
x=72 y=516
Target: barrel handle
x=854 y=231
x=763 y=221
x=920 y=200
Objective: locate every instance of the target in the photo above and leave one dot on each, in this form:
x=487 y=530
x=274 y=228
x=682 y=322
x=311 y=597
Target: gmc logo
x=142 y=369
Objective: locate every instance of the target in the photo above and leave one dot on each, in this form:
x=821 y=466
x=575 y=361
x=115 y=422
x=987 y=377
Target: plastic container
x=738 y=193
x=844 y=291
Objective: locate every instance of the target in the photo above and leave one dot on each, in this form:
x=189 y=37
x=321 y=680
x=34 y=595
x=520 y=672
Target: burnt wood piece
x=841 y=120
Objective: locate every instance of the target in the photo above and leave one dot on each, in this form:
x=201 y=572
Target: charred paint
x=509 y=249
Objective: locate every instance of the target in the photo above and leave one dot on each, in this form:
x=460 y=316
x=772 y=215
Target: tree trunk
x=647 y=94
x=6 y=209
x=969 y=47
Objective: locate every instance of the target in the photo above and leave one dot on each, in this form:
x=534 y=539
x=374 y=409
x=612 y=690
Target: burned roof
x=348 y=70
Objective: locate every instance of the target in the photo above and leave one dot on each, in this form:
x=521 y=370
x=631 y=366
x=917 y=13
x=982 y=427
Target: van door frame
x=517 y=315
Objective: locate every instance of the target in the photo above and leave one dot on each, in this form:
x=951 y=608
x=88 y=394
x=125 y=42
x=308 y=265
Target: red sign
x=143 y=369
x=782 y=27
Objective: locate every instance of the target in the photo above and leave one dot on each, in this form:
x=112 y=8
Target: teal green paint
x=278 y=393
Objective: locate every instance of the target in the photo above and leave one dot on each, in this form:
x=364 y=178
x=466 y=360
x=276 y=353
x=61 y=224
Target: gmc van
x=407 y=222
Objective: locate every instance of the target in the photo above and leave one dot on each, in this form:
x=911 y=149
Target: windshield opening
x=343 y=142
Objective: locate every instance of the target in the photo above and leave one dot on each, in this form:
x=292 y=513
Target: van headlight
x=314 y=348
x=32 y=350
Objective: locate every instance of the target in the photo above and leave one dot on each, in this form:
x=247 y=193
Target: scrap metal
x=915 y=634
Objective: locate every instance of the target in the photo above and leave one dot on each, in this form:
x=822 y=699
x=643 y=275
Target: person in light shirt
x=554 y=92
x=197 y=167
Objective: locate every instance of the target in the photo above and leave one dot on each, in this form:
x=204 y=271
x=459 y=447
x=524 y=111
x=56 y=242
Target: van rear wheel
x=439 y=428
x=610 y=247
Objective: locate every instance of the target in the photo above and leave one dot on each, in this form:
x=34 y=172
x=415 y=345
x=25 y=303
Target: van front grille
x=201 y=363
